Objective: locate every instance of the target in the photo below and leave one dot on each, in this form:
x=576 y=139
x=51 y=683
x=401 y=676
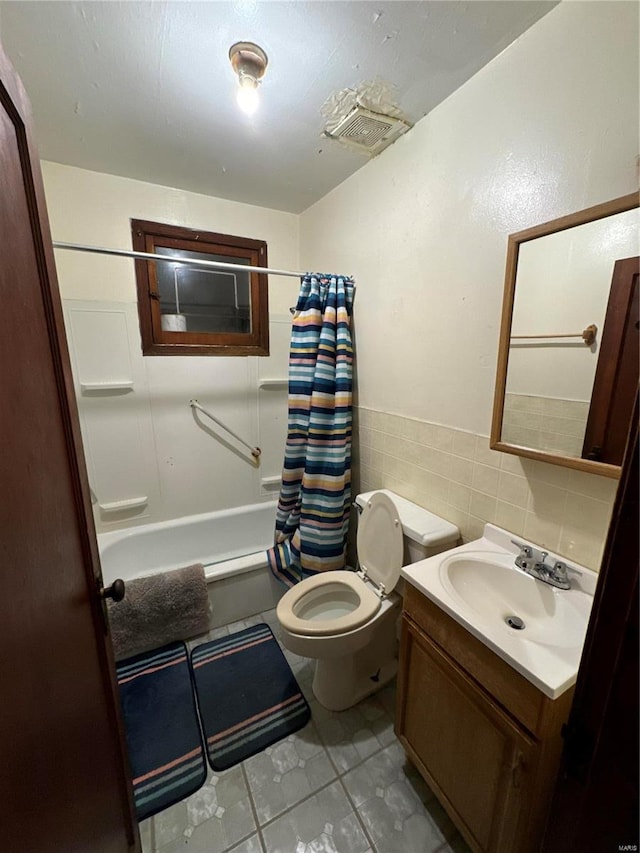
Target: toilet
x=348 y=621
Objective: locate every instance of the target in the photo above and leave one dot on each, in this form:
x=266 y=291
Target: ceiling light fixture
x=249 y=62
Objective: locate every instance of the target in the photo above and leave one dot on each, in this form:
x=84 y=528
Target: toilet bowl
x=348 y=620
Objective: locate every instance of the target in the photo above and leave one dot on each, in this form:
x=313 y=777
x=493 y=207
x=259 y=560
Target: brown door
x=63 y=779
x=616 y=378
x=595 y=805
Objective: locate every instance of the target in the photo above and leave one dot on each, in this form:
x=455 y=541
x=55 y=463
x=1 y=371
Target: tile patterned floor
x=341 y=784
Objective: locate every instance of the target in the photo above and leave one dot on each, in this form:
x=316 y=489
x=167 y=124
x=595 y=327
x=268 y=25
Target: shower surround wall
x=544 y=129
x=145 y=442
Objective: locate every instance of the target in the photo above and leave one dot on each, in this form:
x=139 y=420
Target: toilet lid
x=379 y=540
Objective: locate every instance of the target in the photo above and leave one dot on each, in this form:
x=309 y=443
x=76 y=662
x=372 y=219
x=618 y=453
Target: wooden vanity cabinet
x=485 y=739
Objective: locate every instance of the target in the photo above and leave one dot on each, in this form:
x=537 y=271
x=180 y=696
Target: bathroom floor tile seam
x=445 y=846
x=252 y=839
x=260 y=826
x=257 y=832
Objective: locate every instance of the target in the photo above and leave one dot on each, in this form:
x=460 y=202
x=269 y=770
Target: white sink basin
x=535 y=627
x=497 y=591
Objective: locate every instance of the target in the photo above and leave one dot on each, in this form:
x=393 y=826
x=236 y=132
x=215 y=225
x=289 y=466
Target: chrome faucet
x=533 y=562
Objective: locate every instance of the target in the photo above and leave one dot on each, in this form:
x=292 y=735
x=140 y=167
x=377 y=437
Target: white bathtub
x=230 y=544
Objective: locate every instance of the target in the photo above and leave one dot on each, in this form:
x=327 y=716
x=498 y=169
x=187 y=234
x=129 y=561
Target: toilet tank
x=425 y=534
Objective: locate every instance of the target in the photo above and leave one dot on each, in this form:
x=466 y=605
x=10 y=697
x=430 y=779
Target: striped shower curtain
x=312 y=518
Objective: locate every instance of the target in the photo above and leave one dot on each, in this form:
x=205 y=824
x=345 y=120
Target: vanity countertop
x=479 y=586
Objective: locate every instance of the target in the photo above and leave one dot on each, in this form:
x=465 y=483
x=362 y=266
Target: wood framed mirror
x=568 y=353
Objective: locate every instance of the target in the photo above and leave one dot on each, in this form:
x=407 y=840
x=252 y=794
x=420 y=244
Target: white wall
x=90 y=207
x=548 y=127
x=146 y=442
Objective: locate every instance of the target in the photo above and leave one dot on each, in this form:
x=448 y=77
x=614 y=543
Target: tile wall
x=454 y=474
x=545 y=423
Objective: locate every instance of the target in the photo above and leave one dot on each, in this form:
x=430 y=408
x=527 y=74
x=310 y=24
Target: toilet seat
x=336 y=602
x=309 y=608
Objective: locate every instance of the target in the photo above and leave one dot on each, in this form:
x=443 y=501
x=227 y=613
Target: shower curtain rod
x=148 y=256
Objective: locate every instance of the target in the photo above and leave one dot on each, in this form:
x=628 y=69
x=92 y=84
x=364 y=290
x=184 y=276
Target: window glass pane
x=196 y=299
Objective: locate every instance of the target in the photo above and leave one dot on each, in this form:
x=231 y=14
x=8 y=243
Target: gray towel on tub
x=159 y=609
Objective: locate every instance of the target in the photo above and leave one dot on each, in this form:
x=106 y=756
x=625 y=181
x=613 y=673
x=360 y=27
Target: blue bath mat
x=247 y=695
x=164 y=741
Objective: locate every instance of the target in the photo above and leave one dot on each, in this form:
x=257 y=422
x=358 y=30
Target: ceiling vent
x=367 y=131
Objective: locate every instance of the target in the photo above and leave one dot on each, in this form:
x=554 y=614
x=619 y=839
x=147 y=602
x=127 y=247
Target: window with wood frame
x=191 y=310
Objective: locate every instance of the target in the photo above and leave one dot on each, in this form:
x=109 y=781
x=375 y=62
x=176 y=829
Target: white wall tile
x=461 y=470
x=544 y=531
x=601 y=488
x=474 y=528
x=443 y=438
x=545 y=500
x=510 y=517
x=365 y=435
x=484 y=454
x=513 y=464
x=485 y=479
x=513 y=489
x=459 y=496
x=425 y=433
x=583 y=512
x=464 y=444
x=557 y=508
x=483 y=506
x=365 y=417
x=377 y=440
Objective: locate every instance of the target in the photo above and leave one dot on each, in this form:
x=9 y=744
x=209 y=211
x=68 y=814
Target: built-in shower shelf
x=269 y=485
x=124 y=385
x=130 y=503
x=273 y=383
x=270 y=481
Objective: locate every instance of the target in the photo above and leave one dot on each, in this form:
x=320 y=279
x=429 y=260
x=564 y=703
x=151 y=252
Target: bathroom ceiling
x=145 y=89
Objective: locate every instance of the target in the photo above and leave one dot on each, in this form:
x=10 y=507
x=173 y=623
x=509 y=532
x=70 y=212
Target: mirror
x=568 y=356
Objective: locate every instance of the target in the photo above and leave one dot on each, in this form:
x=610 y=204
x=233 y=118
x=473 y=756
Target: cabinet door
x=473 y=755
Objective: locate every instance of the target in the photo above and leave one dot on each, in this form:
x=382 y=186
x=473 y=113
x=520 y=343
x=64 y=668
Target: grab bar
x=255 y=451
